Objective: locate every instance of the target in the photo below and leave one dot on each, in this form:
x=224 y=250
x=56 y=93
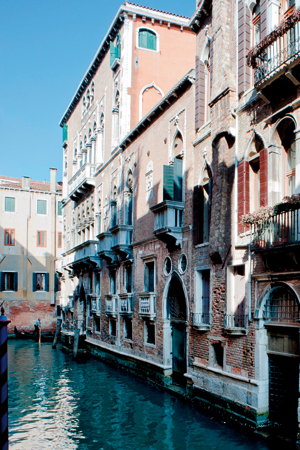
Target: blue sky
x=46 y=47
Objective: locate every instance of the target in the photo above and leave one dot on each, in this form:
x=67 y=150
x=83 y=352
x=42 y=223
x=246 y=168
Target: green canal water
x=57 y=403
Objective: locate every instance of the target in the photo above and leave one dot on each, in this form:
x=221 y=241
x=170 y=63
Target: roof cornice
x=125 y=10
x=200 y=14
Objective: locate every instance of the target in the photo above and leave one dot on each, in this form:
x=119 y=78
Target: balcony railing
x=235 y=323
x=168 y=220
x=147 y=305
x=81 y=180
x=278 y=231
x=202 y=321
x=126 y=306
x=278 y=50
x=68 y=326
x=111 y=305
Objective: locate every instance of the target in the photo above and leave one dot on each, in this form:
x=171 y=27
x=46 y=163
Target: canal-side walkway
x=58 y=403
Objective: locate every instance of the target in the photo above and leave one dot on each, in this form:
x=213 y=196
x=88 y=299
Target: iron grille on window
x=281 y=306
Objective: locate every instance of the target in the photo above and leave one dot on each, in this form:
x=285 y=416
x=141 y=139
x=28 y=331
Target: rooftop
x=16 y=183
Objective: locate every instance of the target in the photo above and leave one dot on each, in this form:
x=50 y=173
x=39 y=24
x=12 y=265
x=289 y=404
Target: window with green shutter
x=59 y=211
x=65 y=132
x=10 y=204
x=115 y=50
x=42 y=206
x=147 y=39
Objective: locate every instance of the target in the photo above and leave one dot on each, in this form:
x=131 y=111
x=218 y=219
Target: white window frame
x=157 y=39
x=198 y=289
x=230 y=306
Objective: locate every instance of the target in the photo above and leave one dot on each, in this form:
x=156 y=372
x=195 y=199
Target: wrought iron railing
x=201 y=319
x=281 y=307
x=279 y=230
x=232 y=321
x=285 y=49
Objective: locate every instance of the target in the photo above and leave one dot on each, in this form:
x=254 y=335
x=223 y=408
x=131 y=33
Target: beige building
x=30 y=246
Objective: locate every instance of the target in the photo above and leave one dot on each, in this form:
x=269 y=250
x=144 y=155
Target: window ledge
x=236 y=331
x=202 y=327
x=205 y=244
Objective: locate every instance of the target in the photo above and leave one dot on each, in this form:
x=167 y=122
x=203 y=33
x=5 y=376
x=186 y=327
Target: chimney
x=53 y=180
x=26 y=183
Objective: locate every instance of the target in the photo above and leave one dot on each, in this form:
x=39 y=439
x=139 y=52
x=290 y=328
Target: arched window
x=254 y=173
x=116 y=111
x=128 y=200
x=286 y=132
x=202 y=207
x=147 y=39
x=113 y=208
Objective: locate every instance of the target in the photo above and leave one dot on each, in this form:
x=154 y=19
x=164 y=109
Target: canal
x=57 y=403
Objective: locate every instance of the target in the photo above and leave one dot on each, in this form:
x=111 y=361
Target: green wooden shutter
x=168 y=183
x=178 y=180
x=65 y=132
x=146 y=278
x=1 y=281
x=34 y=282
x=151 y=276
x=47 y=282
x=16 y=281
x=112 y=53
x=10 y=204
x=59 y=212
x=143 y=39
x=118 y=47
x=151 y=40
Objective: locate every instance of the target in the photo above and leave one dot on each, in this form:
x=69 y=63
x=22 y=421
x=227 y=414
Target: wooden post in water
x=4 y=385
x=57 y=331
x=40 y=334
x=76 y=342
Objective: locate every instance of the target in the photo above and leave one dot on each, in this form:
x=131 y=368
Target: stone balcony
x=147 y=305
x=168 y=221
x=111 y=305
x=82 y=181
x=235 y=324
x=126 y=304
x=202 y=321
x=122 y=239
x=105 y=246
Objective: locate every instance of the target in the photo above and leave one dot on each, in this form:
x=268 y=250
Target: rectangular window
x=59 y=211
x=150 y=333
x=97 y=324
x=236 y=298
x=9 y=281
x=10 y=204
x=149 y=276
x=42 y=206
x=128 y=329
x=97 y=283
x=202 y=298
x=9 y=236
x=112 y=282
x=40 y=282
x=113 y=327
x=128 y=279
x=59 y=239
x=41 y=238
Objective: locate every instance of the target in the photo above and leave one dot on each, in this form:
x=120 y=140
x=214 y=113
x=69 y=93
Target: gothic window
x=149 y=281
x=116 y=112
x=113 y=208
x=100 y=140
x=286 y=133
x=128 y=200
x=202 y=207
x=254 y=174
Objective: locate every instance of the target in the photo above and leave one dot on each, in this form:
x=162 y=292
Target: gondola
x=46 y=336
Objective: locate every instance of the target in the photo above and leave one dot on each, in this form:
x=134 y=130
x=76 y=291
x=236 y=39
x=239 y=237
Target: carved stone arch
x=206 y=173
x=274 y=133
x=176 y=134
x=143 y=90
x=175 y=274
x=205 y=51
x=228 y=135
x=261 y=305
x=247 y=151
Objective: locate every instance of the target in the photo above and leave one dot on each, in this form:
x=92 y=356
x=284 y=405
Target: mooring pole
x=3 y=382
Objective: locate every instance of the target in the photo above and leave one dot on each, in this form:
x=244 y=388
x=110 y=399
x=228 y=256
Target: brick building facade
x=161 y=274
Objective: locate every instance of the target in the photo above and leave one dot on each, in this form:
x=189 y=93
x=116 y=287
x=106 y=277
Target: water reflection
x=56 y=403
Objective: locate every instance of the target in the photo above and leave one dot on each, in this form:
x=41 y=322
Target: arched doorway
x=281 y=314
x=177 y=315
